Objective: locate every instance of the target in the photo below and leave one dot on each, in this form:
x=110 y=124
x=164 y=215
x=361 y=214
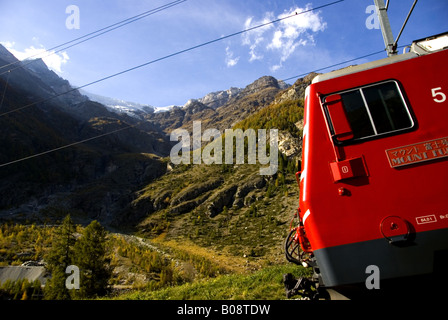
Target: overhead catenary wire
x=66 y=146
x=404 y=24
x=82 y=39
x=341 y=63
x=91 y=35
x=335 y=65
x=4 y=90
x=140 y=122
x=172 y=55
x=134 y=68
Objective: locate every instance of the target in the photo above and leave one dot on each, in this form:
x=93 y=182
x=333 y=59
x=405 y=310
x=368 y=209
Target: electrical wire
x=404 y=24
x=335 y=65
x=93 y=35
x=134 y=68
x=4 y=91
x=137 y=124
x=341 y=63
x=66 y=146
x=172 y=55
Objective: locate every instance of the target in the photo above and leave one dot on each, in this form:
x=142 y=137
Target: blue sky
x=292 y=47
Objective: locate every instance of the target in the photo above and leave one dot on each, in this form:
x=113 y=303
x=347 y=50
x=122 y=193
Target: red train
x=374 y=179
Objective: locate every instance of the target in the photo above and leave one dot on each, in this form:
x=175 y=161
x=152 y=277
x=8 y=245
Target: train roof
x=418 y=48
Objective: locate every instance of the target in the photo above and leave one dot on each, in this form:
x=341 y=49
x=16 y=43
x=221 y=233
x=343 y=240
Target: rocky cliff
x=126 y=178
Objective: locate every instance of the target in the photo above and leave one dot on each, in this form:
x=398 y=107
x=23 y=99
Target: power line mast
x=391 y=44
x=388 y=37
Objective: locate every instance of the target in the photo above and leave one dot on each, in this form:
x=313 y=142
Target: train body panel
x=375 y=168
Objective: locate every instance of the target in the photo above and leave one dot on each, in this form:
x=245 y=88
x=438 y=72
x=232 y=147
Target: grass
x=266 y=284
x=187 y=250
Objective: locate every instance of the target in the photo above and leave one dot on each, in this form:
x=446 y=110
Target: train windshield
x=376 y=110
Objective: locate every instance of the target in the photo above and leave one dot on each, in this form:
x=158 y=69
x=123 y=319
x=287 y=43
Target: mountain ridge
x=39 y=119
x=122 y=176
x=106 y=179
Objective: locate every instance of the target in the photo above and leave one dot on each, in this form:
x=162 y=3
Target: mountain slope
x=125 y=179
x=228 y=208
x=119 y=106
x=36 y=118
x=218 y=98
x=238 y=104
x=211 y=219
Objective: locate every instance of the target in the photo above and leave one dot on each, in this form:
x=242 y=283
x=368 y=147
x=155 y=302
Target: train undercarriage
x=421 y=286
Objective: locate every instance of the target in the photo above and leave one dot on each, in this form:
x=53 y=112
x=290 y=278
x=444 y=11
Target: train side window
x=388 y=109
x=357 y=114
x=376 y=110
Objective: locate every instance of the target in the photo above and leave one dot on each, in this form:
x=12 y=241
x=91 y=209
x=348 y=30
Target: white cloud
x=254 y=38
x=230 y=60
x=8 y=44
x=284 y=37
x=53 y=60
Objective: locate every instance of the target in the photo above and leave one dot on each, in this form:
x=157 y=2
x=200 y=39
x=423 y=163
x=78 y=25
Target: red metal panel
x=415 y=190
x=342 y=129
x=347 y=169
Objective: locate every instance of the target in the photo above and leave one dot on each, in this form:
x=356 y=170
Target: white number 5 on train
x=437 y=95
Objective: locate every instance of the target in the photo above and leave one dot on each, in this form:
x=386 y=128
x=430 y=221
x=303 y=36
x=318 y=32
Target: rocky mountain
x=7 y=57
x=38 y=69
x=119 y=106
x=214 y=104
x=43 y=165
x=212 y=100
x=126 y=179
x=216 y=99
x=221 y=110
x=34 y=79
x=296 y=91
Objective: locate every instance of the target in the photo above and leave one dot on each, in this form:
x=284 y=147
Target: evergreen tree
x=91 y=259
x=59 y=257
